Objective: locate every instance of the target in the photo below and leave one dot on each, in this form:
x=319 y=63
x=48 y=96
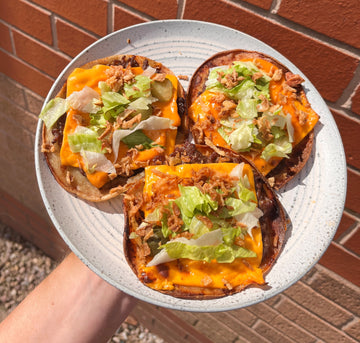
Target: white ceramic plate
x=314 y=200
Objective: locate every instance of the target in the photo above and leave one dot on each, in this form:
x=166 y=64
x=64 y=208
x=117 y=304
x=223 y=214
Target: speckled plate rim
x=336 y=182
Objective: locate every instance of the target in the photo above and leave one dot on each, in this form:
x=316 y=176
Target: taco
x=204 y=229
x=250 y=103
x=112 y=117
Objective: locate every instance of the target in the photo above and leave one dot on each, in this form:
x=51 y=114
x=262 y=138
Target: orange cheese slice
x=186 y=272
x=206 y=104
x=80 y=78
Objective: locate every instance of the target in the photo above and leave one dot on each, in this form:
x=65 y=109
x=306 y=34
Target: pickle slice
x=162 y=90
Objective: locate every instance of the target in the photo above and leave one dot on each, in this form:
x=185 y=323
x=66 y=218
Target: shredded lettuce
x=280 y=148
x=84 y=139
x=238 y=206
x=193 y=201
x=209 y=247
x=53 y=110
x=152 y=123
x=197 y=227
x=241 y=138
x=141 y=104
x=114 y=103
x=137 y=138
x=140 y=88
x=96 y=161
x=84 y=99
x=247 y=108
x=104 y=87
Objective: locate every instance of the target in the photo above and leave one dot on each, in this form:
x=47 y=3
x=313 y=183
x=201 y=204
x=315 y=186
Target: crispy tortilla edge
x=70 y=178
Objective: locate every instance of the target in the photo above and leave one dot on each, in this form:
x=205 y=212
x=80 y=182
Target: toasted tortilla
x=288 y=167
x=272 y=223
x=74 y=179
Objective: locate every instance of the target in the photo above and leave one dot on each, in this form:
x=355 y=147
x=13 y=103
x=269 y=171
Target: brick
x=349 y=130
x=265 y=4
x=263 y=311
x=315 y=61
x=353 y=242
x=266 y=331
x=335 y=288
x=14 y=131
x=232 y=319
x=16 y=117
x=214 y=330
x=5 y=42
x=191 y=333
x=345 y=223
x=342 y=262
x=319 y=305
x=159 y=9
x=166 y=324
x=292 y=330
x=244 y=315
x=72 y=40
x=218 y=332
x=38 y=55
x=336 y=19
x=25 y=74
x=273 y=300
x=90 y=14
x=31 y=226
x=353 y=191
x=34 y=102
x=124 y=18
x=353 y=329
x=355 y=101
x=186 y=316
x=12 y=91
x=311 y=323
x=28 y=17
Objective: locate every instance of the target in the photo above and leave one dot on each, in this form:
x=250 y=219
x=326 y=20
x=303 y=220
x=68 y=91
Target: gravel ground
x=23 y=266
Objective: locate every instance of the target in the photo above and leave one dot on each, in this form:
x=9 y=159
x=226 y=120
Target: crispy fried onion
x=206 y=180
x=117 y=76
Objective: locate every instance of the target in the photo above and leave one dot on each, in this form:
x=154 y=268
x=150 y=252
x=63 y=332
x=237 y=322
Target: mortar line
x=289 y=24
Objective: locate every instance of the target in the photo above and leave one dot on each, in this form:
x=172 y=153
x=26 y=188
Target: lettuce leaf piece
x=84 y=100
x=96 y=161
x=289 y=128
x=222 y=253
x=280 y=148
x=152 y=123
x=139 y=88
x=241 y=138
x=250 y=219
x=230 y=233
x=193 y=201
x=84 y=139
x=277 y=132
x=142 y=104
x=136 y=138
x=237 y=206
x=53 y=110
x=104 y=87
x=209 y=247
x=114 y=103
x=197 y=228
x=244 y=193
x=98 y=120
x=246 y=108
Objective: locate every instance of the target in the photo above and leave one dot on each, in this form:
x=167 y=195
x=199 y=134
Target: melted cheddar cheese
x=80 y=78
x=186 y=272
x=207 y=104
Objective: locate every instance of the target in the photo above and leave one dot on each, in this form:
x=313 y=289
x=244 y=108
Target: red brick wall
x=39 y=37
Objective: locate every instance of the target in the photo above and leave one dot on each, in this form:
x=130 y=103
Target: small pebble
x=23 y=266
